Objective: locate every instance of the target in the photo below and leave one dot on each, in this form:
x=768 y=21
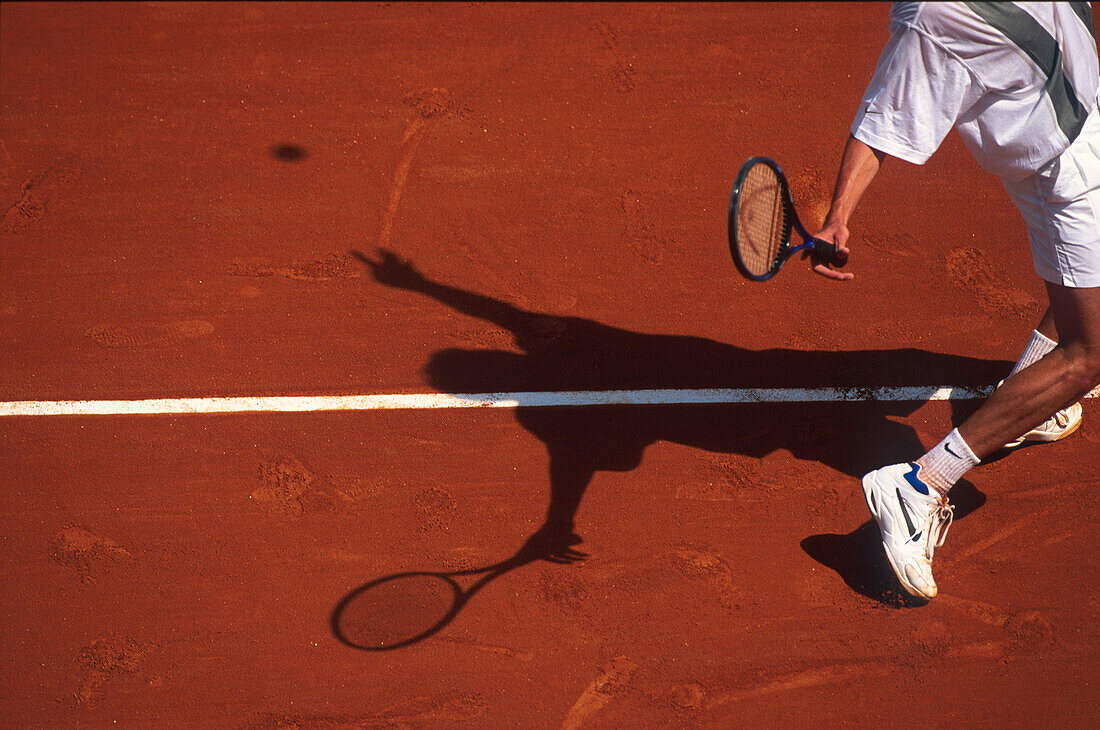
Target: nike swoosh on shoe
x=913 y=532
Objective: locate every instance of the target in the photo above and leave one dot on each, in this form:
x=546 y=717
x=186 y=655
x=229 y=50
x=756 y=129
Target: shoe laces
x=1062 y=418
x=939 y=520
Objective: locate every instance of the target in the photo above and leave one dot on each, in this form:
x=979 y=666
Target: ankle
x=946 y=462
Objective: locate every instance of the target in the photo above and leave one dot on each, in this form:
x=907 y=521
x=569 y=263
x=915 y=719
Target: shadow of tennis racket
x=405 y=608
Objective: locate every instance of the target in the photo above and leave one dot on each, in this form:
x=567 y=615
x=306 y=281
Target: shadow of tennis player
x=576 y=354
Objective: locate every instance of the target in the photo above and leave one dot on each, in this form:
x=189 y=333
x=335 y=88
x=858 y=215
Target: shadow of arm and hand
x=576 y=353
x=397 y=272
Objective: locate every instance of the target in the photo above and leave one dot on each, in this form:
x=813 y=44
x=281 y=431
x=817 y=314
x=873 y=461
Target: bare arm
x=858 y=167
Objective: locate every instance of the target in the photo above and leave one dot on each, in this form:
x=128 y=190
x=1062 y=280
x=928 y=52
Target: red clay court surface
x=183 y=189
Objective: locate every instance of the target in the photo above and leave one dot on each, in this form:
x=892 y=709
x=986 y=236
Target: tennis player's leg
x=1061 y=206
x=909 y=501
x=1064 y=422
x=1055 y=381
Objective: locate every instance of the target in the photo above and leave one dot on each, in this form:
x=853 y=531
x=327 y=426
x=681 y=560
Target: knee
x=1090 y=367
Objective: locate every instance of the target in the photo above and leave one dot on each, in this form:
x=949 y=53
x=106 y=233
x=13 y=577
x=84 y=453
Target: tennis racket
x=761 y=219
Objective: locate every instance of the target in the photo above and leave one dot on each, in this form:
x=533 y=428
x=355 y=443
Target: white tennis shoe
x=1055 y=428
x=913 y=520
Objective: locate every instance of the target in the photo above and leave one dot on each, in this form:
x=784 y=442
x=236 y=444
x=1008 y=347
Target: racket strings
x=762 y=225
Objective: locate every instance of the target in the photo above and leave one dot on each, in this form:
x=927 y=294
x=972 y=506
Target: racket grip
x=828 y=251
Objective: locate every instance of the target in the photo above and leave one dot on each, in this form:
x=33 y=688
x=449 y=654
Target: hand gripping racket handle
x=828 y=251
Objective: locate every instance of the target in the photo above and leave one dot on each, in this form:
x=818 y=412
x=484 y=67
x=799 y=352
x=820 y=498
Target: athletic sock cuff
x=1037 y=347
x=945 y=464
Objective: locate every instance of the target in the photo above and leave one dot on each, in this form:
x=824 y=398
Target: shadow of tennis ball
x=289 y=152
x=429 y=103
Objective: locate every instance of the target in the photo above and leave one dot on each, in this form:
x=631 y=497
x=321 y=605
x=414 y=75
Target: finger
x=565 y=555
x=363 y=257
x=830 y=273
x=387 y=255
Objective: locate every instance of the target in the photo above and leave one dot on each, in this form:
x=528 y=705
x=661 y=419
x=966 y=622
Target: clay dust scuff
x=472 y=643
x=612 y=680
x=713 y=569
x=415 y=712
x=87 y=554
x=642 y=234
x=429 y=104
x=999 y=535
x=37 y=195
x=1027 y=631
x=435 y=509
x=291 y=489
x=622 y=71
x=6 y=163
x=337 y=266
x=129 y=335
x=100 y=662
x=815 y=677
x=969 y=269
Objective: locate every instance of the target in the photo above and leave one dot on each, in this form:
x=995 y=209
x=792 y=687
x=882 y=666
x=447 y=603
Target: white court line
x=420 y=401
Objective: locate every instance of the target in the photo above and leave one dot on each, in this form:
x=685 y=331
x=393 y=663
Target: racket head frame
x=791 y=221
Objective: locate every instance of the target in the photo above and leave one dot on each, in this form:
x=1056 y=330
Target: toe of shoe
x=919 y=582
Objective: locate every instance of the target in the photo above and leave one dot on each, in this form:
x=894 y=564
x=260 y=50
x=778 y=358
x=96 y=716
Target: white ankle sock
x=1038 y=346
x=945 y=464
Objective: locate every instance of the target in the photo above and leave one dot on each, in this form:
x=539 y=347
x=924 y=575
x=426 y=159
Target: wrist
x=835 y=219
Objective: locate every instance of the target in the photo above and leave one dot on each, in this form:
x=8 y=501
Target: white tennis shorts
x=1060 y=203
